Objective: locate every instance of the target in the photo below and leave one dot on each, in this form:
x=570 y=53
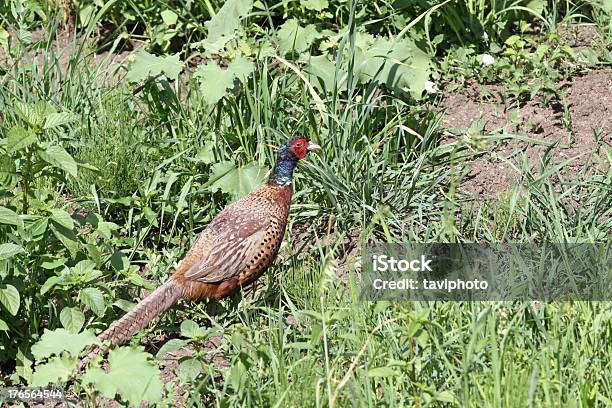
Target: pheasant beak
x=313 y=146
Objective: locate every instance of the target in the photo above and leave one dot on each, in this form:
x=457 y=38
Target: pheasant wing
x=229 y=251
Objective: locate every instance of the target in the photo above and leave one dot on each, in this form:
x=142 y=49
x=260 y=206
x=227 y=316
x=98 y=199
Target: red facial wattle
x=300 y=149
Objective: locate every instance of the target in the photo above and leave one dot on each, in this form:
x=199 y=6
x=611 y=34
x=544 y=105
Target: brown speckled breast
x=266 y=253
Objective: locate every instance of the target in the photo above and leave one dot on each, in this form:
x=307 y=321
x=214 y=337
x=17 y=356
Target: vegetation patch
x=125 y=127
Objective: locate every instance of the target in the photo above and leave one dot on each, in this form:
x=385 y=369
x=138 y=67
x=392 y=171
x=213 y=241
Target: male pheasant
x=238 y=245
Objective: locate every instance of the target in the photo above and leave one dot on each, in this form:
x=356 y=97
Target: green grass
x=467 y=354
x=149 y=155
x=115 y=145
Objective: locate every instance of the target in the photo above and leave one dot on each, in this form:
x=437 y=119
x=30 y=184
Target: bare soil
x=65 y=46
x=570 y=123
x=578 y=36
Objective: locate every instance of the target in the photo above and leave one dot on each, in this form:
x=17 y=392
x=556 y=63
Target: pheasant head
x=289 y=154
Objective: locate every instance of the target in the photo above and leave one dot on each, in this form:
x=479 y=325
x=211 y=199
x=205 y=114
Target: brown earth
x=570 y=123
x=64 y=48
x=578 y=36
x=585 y=109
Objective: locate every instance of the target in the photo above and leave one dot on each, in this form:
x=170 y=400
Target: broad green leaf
x=219 y=171
x=398 y=64
x=446 y=396
x=317 y=5
x=67 y=277
x=49 y=283
x=86 y=269
x=72 y=319
x=299 y=345
x=214 y=81
x=86 y=12
x=381 y=372
x=131 y=375
x=420 y=70
x=136 y=279
x=324 y=70
x=10 y=217
x=3 y=325
x=4 y=37
x=8 y=172
x=67 y=238
x=9 y=250
x=238 y=375
x=169 y=17
x=537 y=6
x=42 y=109
x=9 y=298
x=171 y=178
x=381 y=306
x=34 y=114
x=182 y=199
x=170 y=346
x=24 y=364
x=58 y=119
x=23 y=35
x=222 y=26
x=190 y=329
x=58 y=157
x=62 y=218
x=124 y=305
x=205 y=154
x=146 y=65
x=237 y=181
x=18 y=138
x=59 y=340
x=57 y=369
x=52 y=263
x=422 y=339
x=293 y=38
x=237 y=340
x=93 y=298
x=119 y=261
x=25 y=112
x=241 y=68
x=189 y=369
x=105 y=229
x=38 y=227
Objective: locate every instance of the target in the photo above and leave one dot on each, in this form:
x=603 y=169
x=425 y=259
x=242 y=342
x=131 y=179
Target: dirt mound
x=575 y=126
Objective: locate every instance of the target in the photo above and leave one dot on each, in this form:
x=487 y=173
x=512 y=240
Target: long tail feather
x=136 y=319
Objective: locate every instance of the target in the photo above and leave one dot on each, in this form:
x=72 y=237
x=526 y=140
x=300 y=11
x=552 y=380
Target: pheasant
x=235 y=249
